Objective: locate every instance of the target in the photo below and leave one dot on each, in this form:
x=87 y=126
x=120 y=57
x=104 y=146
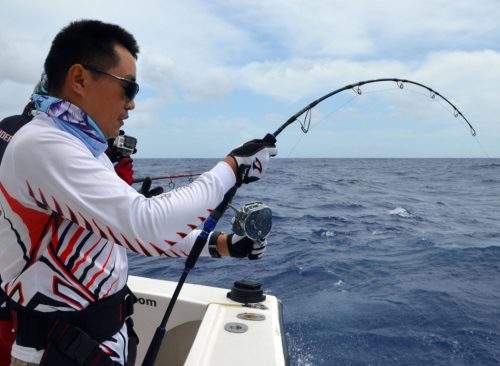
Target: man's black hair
x=89 y=42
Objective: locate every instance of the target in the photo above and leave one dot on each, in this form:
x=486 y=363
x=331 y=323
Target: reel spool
x=254 y=220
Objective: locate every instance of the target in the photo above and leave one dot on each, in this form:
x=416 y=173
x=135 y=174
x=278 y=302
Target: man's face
x=105 y=100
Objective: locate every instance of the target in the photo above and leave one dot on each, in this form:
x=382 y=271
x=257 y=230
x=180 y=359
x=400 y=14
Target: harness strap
x=69 y=345
x=100 y=320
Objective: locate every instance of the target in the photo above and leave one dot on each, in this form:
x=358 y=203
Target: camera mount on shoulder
x=121 y=147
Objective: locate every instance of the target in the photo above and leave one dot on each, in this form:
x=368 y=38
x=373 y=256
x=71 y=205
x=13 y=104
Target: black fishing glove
x=146 y=188
x=252 y=158
x=238 y=246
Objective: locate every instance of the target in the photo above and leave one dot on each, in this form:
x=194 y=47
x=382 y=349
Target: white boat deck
x=206 y=328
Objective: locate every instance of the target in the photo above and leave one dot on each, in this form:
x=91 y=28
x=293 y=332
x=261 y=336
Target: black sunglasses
x=131 y=89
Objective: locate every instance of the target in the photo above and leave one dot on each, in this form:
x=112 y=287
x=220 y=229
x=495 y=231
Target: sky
x=214 y=74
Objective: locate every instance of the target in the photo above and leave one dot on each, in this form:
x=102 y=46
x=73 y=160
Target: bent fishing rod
x=211 y=221
x=356 y=87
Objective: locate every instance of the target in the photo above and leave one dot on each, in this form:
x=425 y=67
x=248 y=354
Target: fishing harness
x=70 y=338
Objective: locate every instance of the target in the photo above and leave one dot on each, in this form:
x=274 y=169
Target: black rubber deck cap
x=247 y=292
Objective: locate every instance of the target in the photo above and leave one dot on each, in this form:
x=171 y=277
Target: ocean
x=376 y=261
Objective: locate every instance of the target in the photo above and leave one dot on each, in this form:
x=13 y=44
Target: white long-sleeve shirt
x=67 y=219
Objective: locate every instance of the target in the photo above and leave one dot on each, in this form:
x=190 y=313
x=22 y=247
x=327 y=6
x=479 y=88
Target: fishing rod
x=186 y=175
x=200 y=242
x=211 y=221
x=356 y=87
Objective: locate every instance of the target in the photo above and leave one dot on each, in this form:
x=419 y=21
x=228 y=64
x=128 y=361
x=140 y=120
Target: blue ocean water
x=377 y=261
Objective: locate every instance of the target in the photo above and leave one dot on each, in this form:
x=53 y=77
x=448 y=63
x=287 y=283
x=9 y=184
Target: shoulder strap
x=8 y=127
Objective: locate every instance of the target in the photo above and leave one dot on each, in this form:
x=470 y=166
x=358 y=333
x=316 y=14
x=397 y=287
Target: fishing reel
x=254 y=221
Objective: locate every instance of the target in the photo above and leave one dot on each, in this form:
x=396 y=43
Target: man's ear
x=77 y=79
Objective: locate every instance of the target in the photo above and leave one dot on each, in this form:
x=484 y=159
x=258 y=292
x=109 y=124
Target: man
x=123 y=166
x=67 y=219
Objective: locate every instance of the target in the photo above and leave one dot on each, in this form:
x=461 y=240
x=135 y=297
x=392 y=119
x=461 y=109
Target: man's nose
x=130 y=105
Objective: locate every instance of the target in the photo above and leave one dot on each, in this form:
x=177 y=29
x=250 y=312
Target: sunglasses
x=131 y=89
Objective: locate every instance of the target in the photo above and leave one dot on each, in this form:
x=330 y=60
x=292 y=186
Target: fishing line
x=328 y=115
x=453 y=113
x=304 y=116
x=440 y=103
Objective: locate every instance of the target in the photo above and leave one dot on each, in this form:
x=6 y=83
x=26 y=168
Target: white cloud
x=272 y=56
x=20 y=62
x=469 y=79
x=317 y=28
x=466 y=78
x=13 y=97
x=208 y=85
x=295 y=79
x=147 y=113
x=159 y=73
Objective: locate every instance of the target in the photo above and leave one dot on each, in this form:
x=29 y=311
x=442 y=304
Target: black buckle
x=78 y=345
x=128 y=305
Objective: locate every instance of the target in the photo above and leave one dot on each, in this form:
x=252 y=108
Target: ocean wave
x=330 y=219
x=324 y=233
x=490 y=181
x=346 y=182
x=312 y=187
x=339 y=205
x=402 y=212
x=487 y=166
x=386 y=230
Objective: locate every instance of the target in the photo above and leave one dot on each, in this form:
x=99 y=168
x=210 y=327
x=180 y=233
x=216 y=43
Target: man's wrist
x=229 y=160
x=222 y=245
x=212 y=244
x=217 y=244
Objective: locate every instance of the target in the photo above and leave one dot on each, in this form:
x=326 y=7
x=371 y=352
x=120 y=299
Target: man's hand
x=252 y=159
x=124 y=169
x=236 y=246
x=146 y=188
